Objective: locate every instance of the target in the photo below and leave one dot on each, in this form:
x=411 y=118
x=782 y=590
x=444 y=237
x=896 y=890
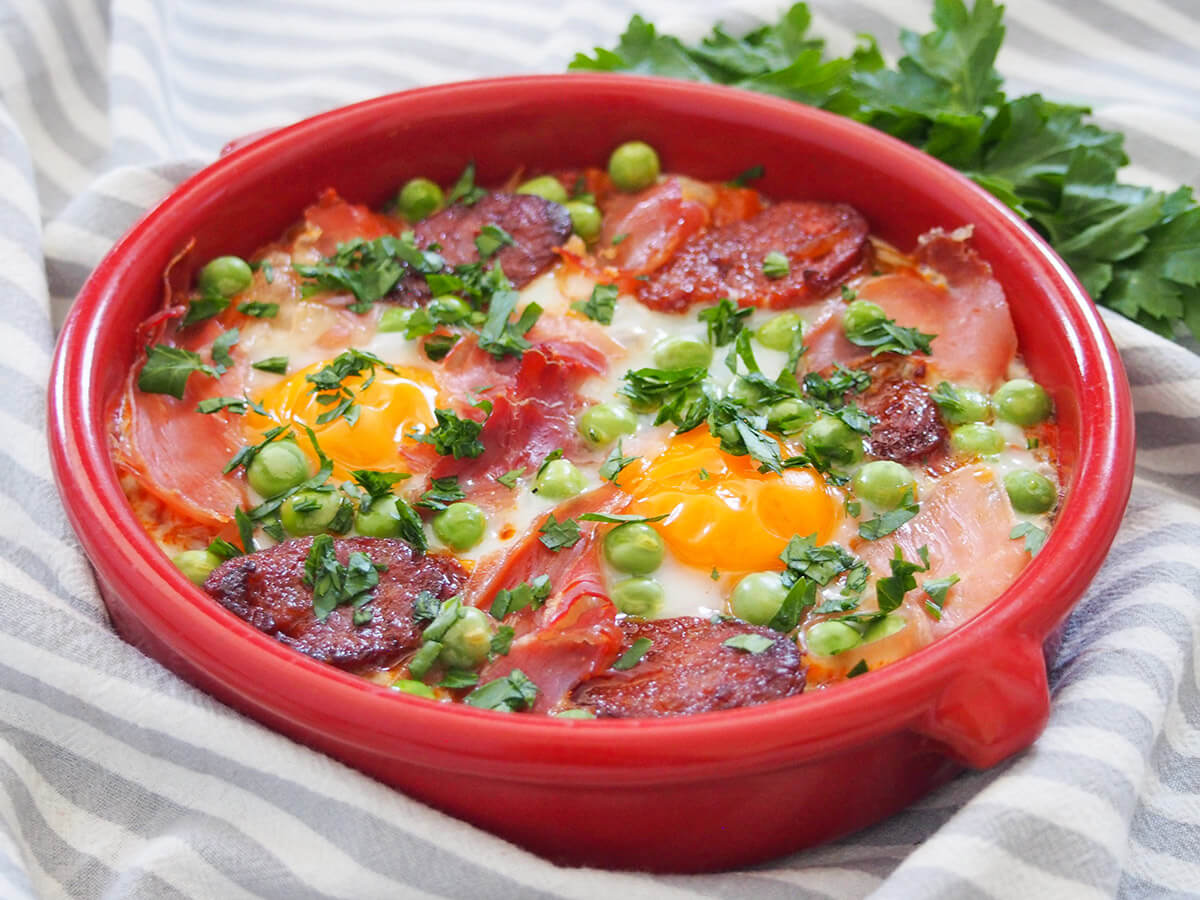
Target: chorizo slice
x=908 y=425
x=823 y=242
x=688 y=669
x=267 y=590
x=537 y=226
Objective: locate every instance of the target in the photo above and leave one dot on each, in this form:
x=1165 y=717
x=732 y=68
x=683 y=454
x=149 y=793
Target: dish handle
x=993 y=708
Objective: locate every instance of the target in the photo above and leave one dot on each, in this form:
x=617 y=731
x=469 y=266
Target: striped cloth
x=119 y=780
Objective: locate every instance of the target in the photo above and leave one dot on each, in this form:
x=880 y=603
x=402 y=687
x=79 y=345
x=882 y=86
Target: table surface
x=119 y=780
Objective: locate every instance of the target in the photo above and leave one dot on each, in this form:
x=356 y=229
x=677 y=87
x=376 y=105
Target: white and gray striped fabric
x=119 y=780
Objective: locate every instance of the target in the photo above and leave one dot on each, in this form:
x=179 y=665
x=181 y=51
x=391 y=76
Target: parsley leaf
x=1034 y=536
x=454 y=436
x=465 y=190
x=236 y=405
x=633 y=655
x=527 y=593
x=887 y=522
x=601 y=305
x=512 y=693
x=749 y=643
x=220 y=350
x=259 y=310
x=673 y=391
x=441 y=493
x=559 y=535
x=438 y=346
x=724 y=321
x=275 y=364
x=775 y=265
x=819 y=563
x=490 y=239
x=935 y=592
x=330 y=389
x=885 y=336
x=204 y=307
x=741 y=432
x=744 y=177
x=334 y=584
x=509 y=478
x=614 y=463
x=167 y=369
x=369 y=269
x=1133 y=248
x=499 y=336
x=890 y=591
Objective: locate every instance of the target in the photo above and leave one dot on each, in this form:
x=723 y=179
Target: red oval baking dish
x=705 y=792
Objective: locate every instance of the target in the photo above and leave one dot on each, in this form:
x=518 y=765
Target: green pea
x=682 y=353
x=309 y=512
x=638 y=597
x=586 y=219
x=460 y=526
x=884 y=627
x=790 y=415
x=861 y=315
x=969 y=405
x=830 y=638
x=546 y=186
x=1022 y=402
x=831 y=438
x=758 y=597
x=633 y=166
x=449 y=308
x=395 y=318
x=278 y=467
x=559 y=479
x=884 y=483
x=416 y=688
x=635 y=547
x=225 y=276
x=469 y=640
x=419 y=198
x=778 y=331
x=976 y=438
x=197 y=565
x=605 y=422
x=381 y=520
x=574 y=714
x=1030 y=492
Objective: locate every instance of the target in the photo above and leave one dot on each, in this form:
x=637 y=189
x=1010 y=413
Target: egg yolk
x=721 y=511
x=391 y=406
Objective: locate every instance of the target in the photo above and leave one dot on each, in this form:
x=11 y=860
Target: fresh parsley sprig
x=1133 y=248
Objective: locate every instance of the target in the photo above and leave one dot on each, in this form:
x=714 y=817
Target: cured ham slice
x=954 y=297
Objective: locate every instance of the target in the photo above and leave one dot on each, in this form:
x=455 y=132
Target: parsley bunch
x=1136 y=250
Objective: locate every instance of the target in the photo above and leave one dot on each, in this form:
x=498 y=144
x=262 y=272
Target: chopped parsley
x=935 y=593
x=459 y=678
x=167 y=370
x=334 y=584
x=454 y=436
x=258 y=310
x=235 y=405
x=860 y=668
x=887 y=522
x=220 y=350
x=601 y=305
x=633 y=655
x=465 y=190
x=369 y=269
x=277 y=365
x=222 y=549
x=885 y=336
x=749 y=643
x=775 y=265
x=502 y=640
x=724 y=321
x=245 y=529
x=499 y=336
x=615 y=463
x=674 y=392
x=1034 y=536
x=426 y=607
x=512 y=693
x=490 y=239
x=744 y=177
x=509 y=478
x=328 y=383
x=441 y=493
x=527 y=593
x=204 y=307
x=890 y=591
x=742 y=432
x=437 y=346
x=557 y=535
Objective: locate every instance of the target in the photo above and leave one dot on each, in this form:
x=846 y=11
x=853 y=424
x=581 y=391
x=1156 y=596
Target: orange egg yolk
x=721 y=511
x=391 y=406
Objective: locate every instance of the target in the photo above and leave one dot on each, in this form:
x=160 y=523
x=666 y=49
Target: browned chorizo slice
x=536 y=226
x=823 y=242
x=909 y=426
x=267 y=589
x=688 y=669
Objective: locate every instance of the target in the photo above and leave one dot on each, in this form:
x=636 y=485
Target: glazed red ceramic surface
x=709 y=791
